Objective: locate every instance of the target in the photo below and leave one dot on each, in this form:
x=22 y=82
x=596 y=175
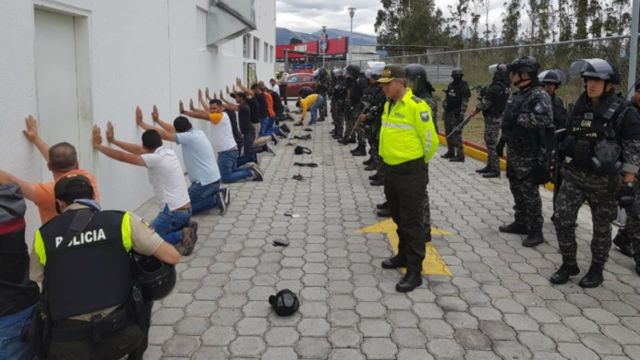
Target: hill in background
x=284 y=35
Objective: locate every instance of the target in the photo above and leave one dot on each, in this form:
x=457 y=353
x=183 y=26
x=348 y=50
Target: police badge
x=425 y=116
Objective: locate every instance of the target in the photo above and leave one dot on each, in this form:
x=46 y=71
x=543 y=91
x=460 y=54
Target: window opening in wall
x=246 y=46
x=256 y=48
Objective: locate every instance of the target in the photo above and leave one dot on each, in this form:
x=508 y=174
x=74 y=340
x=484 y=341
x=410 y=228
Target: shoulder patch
x=416 y=99
x=540 y=109
x=425 y=116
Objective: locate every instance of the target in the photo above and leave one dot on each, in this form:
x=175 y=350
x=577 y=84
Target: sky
x=309 y=15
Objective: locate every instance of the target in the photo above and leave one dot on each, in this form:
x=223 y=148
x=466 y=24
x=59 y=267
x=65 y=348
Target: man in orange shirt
x=62 y=159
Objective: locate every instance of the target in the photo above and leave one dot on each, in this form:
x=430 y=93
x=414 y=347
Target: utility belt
x=600 y=156
x=96 y=329
x=406 y=167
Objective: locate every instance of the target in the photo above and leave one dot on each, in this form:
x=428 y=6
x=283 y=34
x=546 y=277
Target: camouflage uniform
x=338 y=95
x=581 y=181
x=455 y=106
x=527 y=114
x=376 y=99
x=493 y=100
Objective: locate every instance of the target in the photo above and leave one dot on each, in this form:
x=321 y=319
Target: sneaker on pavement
x=189 y=238
x=257 y=174
x=222 y=205
x=270 y=150
x=274 y=138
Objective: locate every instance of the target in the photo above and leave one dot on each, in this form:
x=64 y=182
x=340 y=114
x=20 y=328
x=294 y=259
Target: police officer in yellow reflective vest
x=81 y=257
x=408 y=140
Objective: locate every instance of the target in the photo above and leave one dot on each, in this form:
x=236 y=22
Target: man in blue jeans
x=165 y=174
x=205 y=192
x=18 y=294
x=312 y=104
x=223 y=142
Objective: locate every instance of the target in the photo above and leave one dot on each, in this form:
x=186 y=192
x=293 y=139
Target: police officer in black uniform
x=372 y=115
x=82 y=258
x=323 y=83
x=602 y=141
x=338 y=95
x=455 y=106
x=493 y=100
x=527 y=116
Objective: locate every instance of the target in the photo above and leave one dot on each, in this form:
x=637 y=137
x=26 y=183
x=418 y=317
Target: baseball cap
x=390 y=73
x=73 y=186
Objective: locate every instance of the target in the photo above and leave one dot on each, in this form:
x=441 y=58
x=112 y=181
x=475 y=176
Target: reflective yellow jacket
x=407 y=132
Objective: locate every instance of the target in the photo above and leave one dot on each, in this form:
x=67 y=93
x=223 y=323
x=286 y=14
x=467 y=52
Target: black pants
x=404 y=187
x=112 y=347
x=145 y=324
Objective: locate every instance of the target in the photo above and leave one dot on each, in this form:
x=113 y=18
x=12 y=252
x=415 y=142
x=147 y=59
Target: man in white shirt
x=165 y=175
x=205 y=192
x=274 y=86
x=223 y=142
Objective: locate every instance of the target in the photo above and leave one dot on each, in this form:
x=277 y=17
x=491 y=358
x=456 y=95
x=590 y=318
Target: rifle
x=463 y=123
x=367 y=105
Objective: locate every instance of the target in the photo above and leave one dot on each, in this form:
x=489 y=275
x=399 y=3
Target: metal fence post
x=633 y=48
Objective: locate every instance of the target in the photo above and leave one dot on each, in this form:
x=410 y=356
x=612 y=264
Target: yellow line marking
x=433 y=263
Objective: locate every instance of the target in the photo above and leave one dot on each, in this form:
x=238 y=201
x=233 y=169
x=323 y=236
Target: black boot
x=623 y=243
x=384 y=205
x=375 y=176
x=483 y=170
x=384 y=212
x=378 y=182
x=637 y=258
x=394 y=262
x=514 y=228
x=447 y=155
x=371 y=167
x=533 y=240
x=568 y=268
x=491 y=174
x=593 y=278
x=369 y=161
x=457 y=158
x=361 y=150
x=411 y=280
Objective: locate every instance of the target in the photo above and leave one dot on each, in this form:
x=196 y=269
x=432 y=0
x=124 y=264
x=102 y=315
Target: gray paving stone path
x=498 y=304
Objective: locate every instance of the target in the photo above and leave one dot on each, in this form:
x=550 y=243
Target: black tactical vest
x=454 y=95
x=85 y=271
x=590 y=128
x=499 y=94
x=517 y=104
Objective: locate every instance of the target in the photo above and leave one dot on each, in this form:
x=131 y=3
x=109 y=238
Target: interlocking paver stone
x=498 y=304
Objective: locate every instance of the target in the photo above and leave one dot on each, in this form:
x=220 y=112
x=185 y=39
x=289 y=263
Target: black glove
x=626 y=195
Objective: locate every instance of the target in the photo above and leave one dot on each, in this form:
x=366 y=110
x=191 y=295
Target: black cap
x=285 y=302
x=73 y=186
x=391 y=73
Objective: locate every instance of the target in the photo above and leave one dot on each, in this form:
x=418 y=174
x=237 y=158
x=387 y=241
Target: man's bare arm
x=28 y=191
x=165 y=135
x=31 y=133
x=243 y=88
x=194 y=113
x=203 y=102
x=132 y=148
x=114 y=153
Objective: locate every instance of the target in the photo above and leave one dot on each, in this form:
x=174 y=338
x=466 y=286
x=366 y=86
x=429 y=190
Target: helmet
x=374 y=69
x=496 y=68
x=525 y=64
x=362 y=82
x=416 y=78
x=457 y=72
x=154 y=278
x=552 y=76
x=595 y=68
x=352 y=71
x=305 y=91
x=285 y=302
x=338 y=72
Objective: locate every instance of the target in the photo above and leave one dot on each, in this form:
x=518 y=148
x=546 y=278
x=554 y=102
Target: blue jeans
x=203 y=197
x=169 y=224
x=317 y=105
x=228 y=165
x=11 y=329
x=267 y=128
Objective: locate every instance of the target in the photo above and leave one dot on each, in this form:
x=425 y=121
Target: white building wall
x=141 y=52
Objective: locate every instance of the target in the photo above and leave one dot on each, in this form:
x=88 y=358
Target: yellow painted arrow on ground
x=433 y=263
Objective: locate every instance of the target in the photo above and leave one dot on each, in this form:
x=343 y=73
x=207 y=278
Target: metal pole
x=352 y=11
x=633 y=49
x=286 y=60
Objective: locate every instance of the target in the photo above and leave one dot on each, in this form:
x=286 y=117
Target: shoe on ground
x=410 y=281
x=483 y=170
x=533 y=240
x=189 y=238
x=285 y=128
x=257 y=174
x=370 y=167
x=457 y=159
x=514 y=228
x=321 y=119
x=394 y=262
x=223 y=199
x=375 y=176
x=447 y=155
x=269 y=150
x=351 y=141
x=368 y=161
x=564 y=273
x=378 y=182
x=491 y=174
x=297 y=124
x=594 y=277
x=274 y=138
x=637 y=258
x=281 y=134
x=384 y=205
x=384 y=212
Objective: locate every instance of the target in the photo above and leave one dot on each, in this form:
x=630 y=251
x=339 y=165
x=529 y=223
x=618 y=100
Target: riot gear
x=352 y=71
x=338 y=72
x=416 y=78
x=524 y=65
x=154 y=278
x=457 y=72
x=595 y=68
x=552 y=76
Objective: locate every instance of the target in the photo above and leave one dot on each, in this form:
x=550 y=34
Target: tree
x=510 y=22
x=564 y=13
x=458 y=22
x=582 y=16
x=597 y=18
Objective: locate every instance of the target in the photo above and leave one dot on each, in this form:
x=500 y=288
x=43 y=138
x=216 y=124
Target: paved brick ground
x=498 y=305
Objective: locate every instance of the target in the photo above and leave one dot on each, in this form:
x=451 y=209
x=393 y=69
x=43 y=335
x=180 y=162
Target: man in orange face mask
x=223 y=142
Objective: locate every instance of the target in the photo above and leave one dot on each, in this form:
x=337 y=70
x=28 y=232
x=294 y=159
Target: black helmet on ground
x=154 y=278
x=595 y=69
x=524 y=65
x=284 y=303
x=552 y=76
